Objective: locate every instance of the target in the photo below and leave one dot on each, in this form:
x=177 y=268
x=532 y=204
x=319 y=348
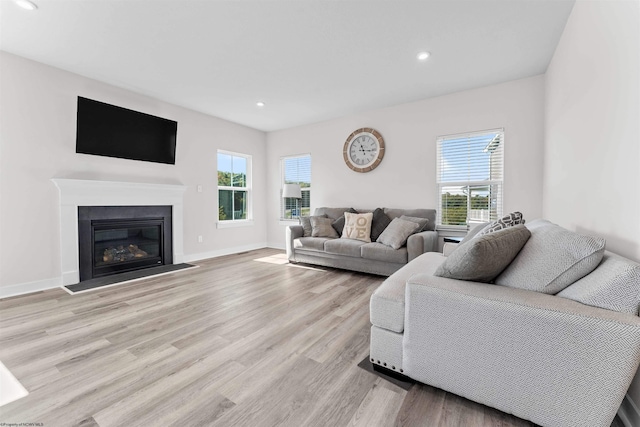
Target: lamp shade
x=291 y=191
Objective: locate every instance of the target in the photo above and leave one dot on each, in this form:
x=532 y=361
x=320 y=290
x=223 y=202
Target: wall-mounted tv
x=106 y=130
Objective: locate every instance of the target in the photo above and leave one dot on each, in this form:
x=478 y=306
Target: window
x=470 y=178
x=234 y=186
x=296 y=170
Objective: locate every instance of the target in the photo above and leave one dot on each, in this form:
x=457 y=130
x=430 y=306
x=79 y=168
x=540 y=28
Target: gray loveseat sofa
x=564 y=359
x=374 y=258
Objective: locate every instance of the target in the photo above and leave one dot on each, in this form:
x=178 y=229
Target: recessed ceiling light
x=260 y=104
x=26 y=4
x=423 y=56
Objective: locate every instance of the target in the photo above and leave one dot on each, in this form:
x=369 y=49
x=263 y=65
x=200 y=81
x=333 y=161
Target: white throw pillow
x=357 y=226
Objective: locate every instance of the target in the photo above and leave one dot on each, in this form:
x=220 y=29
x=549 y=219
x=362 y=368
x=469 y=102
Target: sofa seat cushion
x=552 y=259
x=380 y=252
x=614 y=285
x=348 y=247
x=387 y=302
x=310 y=243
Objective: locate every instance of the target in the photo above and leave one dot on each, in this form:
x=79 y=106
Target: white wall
x=592 y=135
x=406 y=176
x=37 y=135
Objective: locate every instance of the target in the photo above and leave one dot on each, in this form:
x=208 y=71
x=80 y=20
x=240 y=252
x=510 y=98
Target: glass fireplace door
x=120 y=246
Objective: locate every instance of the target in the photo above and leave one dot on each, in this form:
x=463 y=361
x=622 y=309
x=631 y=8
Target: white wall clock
x=363 y=150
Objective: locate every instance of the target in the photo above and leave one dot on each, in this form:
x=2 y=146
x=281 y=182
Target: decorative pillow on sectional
x=305 y=222
x=614 y=285
x=379 y=222
x=483 y=258
x=422 y=222
x=514 y=218
x=357 y=226
x=397 y=233
x=474 y=231
x=338 y=224
x=552 y=259
x=321 y=227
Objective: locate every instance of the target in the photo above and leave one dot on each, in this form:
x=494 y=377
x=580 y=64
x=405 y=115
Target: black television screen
x=106 y=130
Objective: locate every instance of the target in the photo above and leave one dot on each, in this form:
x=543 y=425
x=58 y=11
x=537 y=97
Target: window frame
x=440 y=184
x=248 y=221
x=283 y=159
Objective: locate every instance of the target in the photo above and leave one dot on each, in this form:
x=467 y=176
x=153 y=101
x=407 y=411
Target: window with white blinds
x=470 y=171
x=296 y=170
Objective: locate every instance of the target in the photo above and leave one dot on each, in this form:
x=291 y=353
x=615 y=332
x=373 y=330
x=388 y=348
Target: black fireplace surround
x=118 y=239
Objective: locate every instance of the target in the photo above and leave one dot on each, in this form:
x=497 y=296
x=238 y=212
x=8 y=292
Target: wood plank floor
x=244 y=340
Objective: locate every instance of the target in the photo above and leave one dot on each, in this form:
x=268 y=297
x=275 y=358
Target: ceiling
x=307 y=60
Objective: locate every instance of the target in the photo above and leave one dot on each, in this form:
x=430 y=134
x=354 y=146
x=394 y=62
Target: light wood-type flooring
x=244 y=340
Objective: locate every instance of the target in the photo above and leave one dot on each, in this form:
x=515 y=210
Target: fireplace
x=118 y=239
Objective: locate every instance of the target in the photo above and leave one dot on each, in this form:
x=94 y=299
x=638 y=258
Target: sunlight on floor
x=10 y=387
x=274 y=259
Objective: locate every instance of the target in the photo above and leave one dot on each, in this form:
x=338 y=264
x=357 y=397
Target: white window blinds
x=470 y=178
x=296 y=170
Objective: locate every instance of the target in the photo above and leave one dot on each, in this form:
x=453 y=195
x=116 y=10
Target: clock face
x=363 y=150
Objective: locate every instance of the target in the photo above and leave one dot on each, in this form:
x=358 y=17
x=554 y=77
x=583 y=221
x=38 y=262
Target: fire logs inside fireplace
x=121 y=253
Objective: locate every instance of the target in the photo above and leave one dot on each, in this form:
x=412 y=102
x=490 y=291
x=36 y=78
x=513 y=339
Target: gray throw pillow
x=514 y=218
x=305 y=222
x=483 y=258
x=321 y=227
x=553 y=259
x=379 y=223
x=614 y=285
x=397 y=233
x=422 y=222
x=338 y=224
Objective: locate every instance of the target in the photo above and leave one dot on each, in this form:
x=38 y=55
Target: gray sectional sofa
x=374 y=258
x=563 y=359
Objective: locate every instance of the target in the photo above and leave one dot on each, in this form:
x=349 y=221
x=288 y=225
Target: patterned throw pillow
x=379 y=222
x=514 y=218
x=321 y=227
x=357 y=226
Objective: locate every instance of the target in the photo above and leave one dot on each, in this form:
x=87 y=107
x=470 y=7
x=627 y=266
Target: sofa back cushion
x=552 y=259
x=429 y=214
x=335 y=213
x=482 y=258
x=614 y=285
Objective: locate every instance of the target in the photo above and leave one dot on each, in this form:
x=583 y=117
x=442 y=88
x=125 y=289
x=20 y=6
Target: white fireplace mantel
x=80 y=192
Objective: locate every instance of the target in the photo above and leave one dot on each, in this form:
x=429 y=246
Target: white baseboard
x=629 y=413
x=223 y=252
x=72 y=276
x=29 y=287
x=279 y=245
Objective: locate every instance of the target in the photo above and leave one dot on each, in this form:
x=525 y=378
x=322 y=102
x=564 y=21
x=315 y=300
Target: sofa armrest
x=419 y=243
x=293 y=232
x=540 y=357
x=448 y=248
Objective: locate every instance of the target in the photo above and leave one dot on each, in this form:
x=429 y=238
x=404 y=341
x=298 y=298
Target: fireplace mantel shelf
x=84 y=192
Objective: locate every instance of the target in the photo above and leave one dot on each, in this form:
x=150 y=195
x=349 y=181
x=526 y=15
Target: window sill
x=449 y=231
x=288 y=222
x=234 y=224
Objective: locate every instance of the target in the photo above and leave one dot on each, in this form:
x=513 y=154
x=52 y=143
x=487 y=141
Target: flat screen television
x=106 y=130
